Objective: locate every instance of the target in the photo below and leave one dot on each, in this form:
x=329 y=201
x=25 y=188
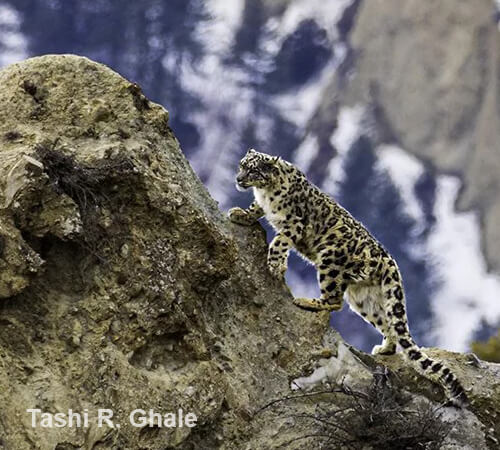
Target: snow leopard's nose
x=241 y=177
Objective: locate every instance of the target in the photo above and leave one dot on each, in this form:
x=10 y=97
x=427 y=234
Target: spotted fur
x=347 y=257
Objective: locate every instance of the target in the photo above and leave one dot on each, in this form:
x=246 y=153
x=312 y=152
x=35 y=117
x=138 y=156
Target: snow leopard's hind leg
x=366 y=300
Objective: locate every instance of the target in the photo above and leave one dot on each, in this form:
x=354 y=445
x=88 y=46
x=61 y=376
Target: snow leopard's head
x=257 y=170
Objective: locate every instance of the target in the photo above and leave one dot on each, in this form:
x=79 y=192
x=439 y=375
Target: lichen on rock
x=123 y=286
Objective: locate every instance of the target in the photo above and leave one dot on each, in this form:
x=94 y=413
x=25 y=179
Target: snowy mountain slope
x=467 y=294
x=463 y=290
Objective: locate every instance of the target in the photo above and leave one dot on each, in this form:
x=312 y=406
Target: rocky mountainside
x=123 y=286
x=437 y=86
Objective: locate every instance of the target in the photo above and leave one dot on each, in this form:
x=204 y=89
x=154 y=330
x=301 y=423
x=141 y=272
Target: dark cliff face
x=123 y=286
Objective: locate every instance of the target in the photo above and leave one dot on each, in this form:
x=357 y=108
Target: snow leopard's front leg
x=280 y=246
x=246 y=216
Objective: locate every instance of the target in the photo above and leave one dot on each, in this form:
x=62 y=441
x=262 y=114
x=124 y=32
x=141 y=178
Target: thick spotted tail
x=433 y=369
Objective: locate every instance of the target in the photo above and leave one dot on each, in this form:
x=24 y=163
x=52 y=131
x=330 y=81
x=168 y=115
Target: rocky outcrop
x=122 y=286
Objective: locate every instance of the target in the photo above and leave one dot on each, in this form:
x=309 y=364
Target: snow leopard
x=348 y=259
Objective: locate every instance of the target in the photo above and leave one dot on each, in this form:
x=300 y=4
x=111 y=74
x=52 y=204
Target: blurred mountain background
x=390 y=106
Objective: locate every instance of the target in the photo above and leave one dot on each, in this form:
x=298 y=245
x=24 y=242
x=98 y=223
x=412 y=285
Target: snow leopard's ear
x=251 y=151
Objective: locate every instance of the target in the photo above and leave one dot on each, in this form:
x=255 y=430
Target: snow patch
x=405 y=170
x=348 y=130
x=299 y=105
x=225 y=20
x=13 y=45
x=305 y=154
x=325 y=13
x=468 y=293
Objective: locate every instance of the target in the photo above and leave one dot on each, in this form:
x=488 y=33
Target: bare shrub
x=381 y=418
x=89 y=187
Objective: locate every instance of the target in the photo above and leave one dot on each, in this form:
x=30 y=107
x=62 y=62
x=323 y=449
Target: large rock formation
x=122 y=286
